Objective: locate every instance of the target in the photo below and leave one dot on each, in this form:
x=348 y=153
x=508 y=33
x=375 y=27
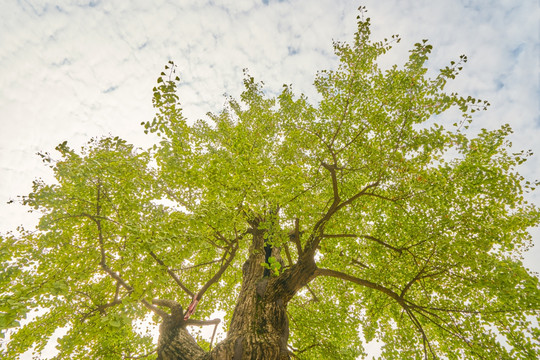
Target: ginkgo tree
x=314 y=227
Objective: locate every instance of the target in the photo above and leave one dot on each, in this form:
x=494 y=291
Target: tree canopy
x=363 y=215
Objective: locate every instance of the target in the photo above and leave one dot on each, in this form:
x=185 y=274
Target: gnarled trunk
x=259 y=328
x=261 y=334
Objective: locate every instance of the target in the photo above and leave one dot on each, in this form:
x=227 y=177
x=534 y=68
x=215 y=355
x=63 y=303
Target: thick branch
x=360 y=193
x=176 y=309
x=101 y=309
x=359 y=263
x=162 y=314
x=295 y=236
x=332 y=169
x=225 y=264
x=318 y=229
x=171 y=304
x=362 y=282
x=172 y=274
x=405 y=304
x=315 y=297
x=288 y=254
x=292 y=279
x=103 y=263
x=220 y=272
x=369 y=237
x=197 y=265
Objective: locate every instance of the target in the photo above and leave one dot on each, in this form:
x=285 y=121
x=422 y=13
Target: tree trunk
x=259 y=328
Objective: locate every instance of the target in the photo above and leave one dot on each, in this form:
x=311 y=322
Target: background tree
x=303 y=222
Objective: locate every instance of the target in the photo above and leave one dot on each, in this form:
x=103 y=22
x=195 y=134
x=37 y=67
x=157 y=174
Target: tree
x=308 y=225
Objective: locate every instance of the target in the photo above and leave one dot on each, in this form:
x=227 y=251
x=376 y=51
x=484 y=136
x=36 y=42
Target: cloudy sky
x=70 y=70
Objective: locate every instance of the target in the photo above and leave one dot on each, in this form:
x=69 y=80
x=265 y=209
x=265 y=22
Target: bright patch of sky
x=70 y=70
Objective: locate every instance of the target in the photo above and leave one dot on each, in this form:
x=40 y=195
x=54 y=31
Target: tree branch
x=419 y=275
x=225 y=264
x=446 y=328
x=360 y=193
x=198 y=265
x=298 y=351
x=332 y=169
x=318 y=229
x=101 y=241
x=172 y=274
x=288 y=254
x=359 y=263
x=369 y=237
x=106 y=268
x=362 y=282
x=351 y=141
x=295 y=236
x=176 y=308
x=220 y=272
x=405 y=304
x=418 y=325
x=101 y=309
x=315 y=297
x=162 y=314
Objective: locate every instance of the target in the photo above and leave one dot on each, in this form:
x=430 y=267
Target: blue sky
x=70 y=70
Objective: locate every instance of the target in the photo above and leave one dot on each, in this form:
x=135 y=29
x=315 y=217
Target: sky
x=72 y=70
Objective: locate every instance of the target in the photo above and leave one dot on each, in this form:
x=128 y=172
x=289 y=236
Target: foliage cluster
x=419 y=225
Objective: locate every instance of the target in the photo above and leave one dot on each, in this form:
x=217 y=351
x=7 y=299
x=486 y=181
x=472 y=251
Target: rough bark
x=175 y=343
x=259 y=328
